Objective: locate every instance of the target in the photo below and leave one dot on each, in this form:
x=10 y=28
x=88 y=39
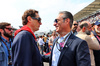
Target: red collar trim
x=24 y=28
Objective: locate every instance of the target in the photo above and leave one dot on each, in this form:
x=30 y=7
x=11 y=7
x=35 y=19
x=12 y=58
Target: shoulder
x=79 y=43
x=88 y=38
x=74 y=37
x=76 y=40
x=23 y=34
x=82 y=36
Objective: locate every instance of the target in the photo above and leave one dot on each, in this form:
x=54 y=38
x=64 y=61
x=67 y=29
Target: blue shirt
x=8 y=44
x=56 y=52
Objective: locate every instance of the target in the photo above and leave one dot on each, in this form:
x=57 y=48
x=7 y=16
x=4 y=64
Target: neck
x=31 y=28
x=5 y=38
x=63 y=33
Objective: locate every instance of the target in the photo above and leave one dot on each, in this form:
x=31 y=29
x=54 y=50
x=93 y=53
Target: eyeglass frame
x=57 y=19
x=9 y=28
x=75 y=24
x=39 y=19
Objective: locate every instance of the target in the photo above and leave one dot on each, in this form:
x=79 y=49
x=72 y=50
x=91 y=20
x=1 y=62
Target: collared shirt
x=8 y=44
x=75 y=33
x=56 y=52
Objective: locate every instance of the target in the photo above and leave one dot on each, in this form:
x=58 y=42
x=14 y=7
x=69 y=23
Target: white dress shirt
x=40 y=41
x=56 y=52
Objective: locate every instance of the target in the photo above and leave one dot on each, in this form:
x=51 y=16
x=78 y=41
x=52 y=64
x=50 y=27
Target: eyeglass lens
x=39 y=19
x=9 y=29
x=56 y=21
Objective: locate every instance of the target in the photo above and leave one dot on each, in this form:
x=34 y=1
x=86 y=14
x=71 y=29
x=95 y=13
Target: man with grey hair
x=68 y=50
x=74 y=27
x=84 y=33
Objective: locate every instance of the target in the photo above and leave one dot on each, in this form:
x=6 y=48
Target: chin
x=57 y=31
x=37 y=29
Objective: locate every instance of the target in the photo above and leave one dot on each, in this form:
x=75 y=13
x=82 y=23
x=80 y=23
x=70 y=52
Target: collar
x=64 y=36
x=25 y=28
x=5 y=39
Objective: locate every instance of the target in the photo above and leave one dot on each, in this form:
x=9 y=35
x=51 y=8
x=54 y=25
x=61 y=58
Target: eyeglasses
x=9 y=29
x=75 y=24
x=56 y=20
x=39 y=19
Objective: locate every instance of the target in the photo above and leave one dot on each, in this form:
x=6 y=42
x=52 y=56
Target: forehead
x=59 y=16
x=74 y=22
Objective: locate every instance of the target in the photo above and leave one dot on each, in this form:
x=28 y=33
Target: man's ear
x=83 y=29
x=29 y=19
x=67 y=20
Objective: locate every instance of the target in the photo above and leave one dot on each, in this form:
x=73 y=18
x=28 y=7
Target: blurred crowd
x=71 y=44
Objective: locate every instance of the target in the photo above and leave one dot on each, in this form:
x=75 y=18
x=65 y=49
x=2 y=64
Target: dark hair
x=66 y=15
x=40 y=36
x=83 y=25
x=31 y=13
x=4 y=24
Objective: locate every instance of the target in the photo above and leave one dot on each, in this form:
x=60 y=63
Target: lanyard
x=7 y=48
x=62 y=42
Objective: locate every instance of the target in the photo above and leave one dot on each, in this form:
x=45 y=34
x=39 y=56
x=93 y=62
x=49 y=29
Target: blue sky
x=12 y=10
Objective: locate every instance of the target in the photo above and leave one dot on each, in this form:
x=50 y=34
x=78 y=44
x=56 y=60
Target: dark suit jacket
x=25 y=51
x=76 y=54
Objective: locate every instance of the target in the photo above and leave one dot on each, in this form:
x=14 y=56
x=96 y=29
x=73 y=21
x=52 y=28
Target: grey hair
x=66 y=15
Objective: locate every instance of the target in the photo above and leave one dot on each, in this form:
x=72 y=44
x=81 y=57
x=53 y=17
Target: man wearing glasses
x=25 y=51
x=5 y=44
x=68 y=50
x=74 y=27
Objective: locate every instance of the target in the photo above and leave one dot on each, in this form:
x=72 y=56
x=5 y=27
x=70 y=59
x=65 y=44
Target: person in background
x=74 y=27
x=37 y=39
x=93 y=30
x=84 y=33
x=47 y=49
x=41 y=43
x=45 y=44
x=6 y=39
x=97 y=37
x=51 y=39
x=68 y=50
x=25 y=51
x=78 y=27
